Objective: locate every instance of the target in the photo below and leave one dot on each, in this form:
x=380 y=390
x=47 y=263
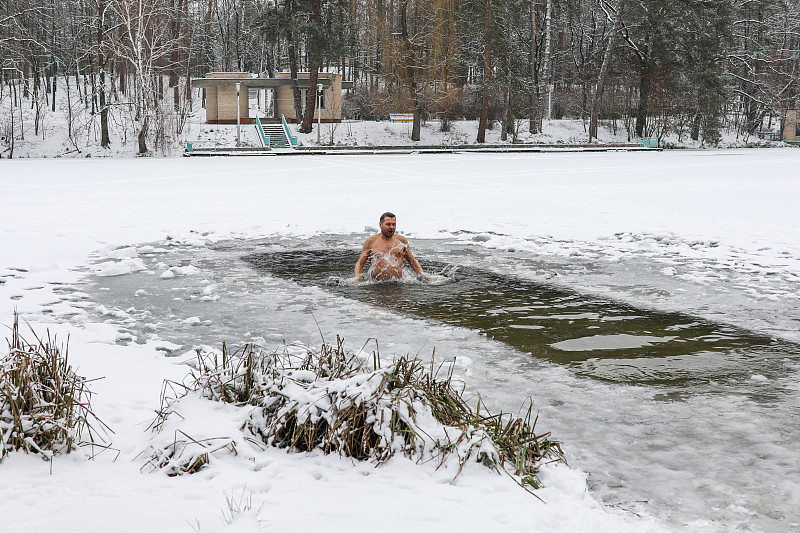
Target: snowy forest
x=691 y=67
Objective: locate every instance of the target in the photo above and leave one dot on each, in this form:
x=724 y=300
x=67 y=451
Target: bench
x=648 y=142
x=401 y=117
x=191 y=145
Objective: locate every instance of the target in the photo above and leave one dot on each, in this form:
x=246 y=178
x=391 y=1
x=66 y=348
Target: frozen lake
x=672 y=414
x=648 y=304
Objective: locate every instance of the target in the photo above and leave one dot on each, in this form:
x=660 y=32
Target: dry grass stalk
x=333 y=401
x=44 y=405
x=187 y=455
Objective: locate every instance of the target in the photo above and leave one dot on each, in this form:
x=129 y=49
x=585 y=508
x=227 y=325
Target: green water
x=596 y=337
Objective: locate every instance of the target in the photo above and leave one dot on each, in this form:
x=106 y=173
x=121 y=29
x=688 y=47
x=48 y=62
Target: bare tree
x=315 y=44
x=544 y=79
x=534 y=121
x=487 y=75
x=601 y=78
x=146 y=43
x=105 y=141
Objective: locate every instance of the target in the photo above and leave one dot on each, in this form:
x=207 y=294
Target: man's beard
x=387 y=233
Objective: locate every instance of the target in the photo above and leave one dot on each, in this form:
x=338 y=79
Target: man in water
x=386 y=251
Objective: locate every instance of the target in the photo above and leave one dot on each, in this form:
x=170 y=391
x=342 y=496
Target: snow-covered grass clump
x=337 y=402
x=44 y=404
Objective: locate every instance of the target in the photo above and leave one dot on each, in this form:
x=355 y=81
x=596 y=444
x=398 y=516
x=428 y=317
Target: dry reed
x=334 y=401
x=44 y=405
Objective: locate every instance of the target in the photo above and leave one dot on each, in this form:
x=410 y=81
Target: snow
x=711 y=221
x=53 y=140
x=119 y=268
x=365 y=134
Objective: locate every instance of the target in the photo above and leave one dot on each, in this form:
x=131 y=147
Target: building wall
x=791 y=126
x=221 y=101
x=332 y=111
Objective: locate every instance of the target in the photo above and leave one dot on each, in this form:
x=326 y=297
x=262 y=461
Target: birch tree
x=544 y=79
x=146 y=44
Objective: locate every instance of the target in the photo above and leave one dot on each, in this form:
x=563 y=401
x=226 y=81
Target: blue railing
x=648 y=142
x=260 y=130
x=292 y=138
x=192 y=145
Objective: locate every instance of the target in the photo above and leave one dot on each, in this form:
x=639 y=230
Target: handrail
x=292 y=138
x=260 y=129
x=190 y=145
x=648 y=142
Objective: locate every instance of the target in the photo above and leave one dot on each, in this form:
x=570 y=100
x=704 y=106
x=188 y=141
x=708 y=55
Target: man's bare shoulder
x=402 y=239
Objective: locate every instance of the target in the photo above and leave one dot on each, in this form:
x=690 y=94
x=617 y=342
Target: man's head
x=388 y=224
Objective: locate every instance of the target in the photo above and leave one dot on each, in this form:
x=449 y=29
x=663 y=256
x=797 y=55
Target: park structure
x=227 y=95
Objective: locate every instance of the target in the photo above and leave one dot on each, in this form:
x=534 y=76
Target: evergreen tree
x=704 y=43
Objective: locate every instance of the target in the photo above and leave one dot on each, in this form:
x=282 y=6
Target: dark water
x=601 y=338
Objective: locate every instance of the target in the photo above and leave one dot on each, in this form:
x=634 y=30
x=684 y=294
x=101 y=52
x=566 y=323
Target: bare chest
x=394 y=249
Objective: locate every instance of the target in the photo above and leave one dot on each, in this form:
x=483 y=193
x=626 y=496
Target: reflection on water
x=596 y=337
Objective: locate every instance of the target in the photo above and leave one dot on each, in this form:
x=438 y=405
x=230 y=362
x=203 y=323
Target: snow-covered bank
x=707 y=215
x=51 y=138
x=278 y=490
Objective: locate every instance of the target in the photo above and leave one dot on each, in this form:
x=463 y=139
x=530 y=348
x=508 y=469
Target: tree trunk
x=533 y=122
x=13 y=133
x=47 y=78
x=641 y=111
x=142 y=138
x=94 y=92
x=297 y=95
x=55 y=87
x=311 y=98
x=86 y=95
x=601 y=80
x=25 y=78
x=416 y=125
x=78 y=80
x=123 y=77
x=695 y=133
x=544 y=80
x=69 y=110
x=174 y=58
x=188 y=58
x=105 y=141
x=504 y=129
x=487 y=76
x=35 y=99
x=112 y=77
x=410 y=61
x=176 y=92
x=315 y=57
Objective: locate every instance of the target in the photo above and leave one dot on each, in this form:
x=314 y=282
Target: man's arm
x=412 y=261
x=367 y=248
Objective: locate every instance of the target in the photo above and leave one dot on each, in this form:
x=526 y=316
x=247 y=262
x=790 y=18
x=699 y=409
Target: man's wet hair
x=387 y=214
